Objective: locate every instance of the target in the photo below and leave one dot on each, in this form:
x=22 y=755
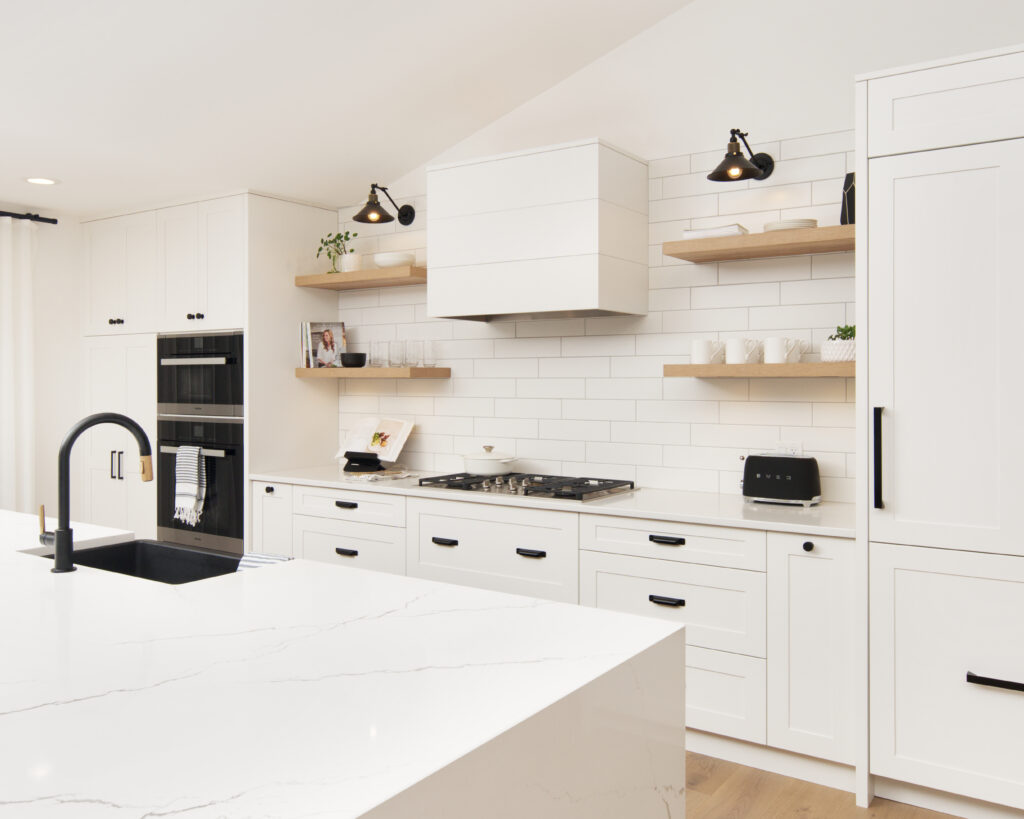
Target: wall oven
x=200 y=375
x=220 y=441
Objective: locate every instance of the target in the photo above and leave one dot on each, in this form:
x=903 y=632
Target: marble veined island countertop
x=301 y=690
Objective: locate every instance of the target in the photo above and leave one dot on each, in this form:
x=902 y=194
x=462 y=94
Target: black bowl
x=353 y=359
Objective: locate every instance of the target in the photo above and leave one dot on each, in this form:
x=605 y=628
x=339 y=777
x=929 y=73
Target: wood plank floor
x=716 y=789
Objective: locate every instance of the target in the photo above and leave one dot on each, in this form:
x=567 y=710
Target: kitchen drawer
x=345 y=504
x=381 y=548
x=959 y=104
x=509 y=549
x=723 y=609
x=710 y=545
x=725 y=694
x=937 y=615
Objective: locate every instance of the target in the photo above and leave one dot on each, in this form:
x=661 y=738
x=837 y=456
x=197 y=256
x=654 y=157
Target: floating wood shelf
x=799 y=242
x=373 y=372
x=359 y=279
x=803 y=369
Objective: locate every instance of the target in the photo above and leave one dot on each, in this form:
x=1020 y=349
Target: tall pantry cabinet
x=941 y=272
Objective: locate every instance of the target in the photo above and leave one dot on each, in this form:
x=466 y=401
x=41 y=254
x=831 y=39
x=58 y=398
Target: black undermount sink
x=151 y=560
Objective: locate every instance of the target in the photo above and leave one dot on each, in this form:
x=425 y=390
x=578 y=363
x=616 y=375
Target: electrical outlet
x=789 y=448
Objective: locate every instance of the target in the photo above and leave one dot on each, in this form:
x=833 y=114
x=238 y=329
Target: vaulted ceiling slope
x=132 y=103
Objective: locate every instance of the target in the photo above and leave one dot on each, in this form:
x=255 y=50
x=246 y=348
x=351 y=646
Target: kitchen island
x=302 y=689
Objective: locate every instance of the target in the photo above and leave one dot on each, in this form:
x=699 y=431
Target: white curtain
x=18 y=362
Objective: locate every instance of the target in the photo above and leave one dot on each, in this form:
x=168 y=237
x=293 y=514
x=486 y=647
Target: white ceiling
x=134 y=103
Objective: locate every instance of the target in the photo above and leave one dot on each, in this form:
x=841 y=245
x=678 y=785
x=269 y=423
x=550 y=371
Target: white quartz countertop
x=297 y=689
x=825 y=519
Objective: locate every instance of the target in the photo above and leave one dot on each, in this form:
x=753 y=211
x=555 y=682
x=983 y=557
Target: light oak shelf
x=803 y=369
x=359 y=279
x=799 y=242
x=373 y=372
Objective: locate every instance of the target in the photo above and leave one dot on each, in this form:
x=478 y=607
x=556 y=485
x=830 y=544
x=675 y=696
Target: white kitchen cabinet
x=945 y=262
x=120 y=377
x=725 y=694
x=549 y=231
x=344 y=543
x=511 y=549
x=202 y=256
x=811 y=662
x=722 y=609
x=349 y=505
x=271 y=518
x=937 y=617
x=968 y=101
x=122 y=288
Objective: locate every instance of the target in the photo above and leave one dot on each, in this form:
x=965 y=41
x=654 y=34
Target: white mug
x=706 y=351
x=741 y=350
x=781 y=350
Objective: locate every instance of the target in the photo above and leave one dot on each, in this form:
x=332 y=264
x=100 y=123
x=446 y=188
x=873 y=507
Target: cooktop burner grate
x=529 y=484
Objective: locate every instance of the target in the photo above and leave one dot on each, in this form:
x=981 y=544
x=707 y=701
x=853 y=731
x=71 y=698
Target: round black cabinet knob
x=111 y=321
x=200 y=315
x=269 y=490
x=808 y=546
x=190 y=316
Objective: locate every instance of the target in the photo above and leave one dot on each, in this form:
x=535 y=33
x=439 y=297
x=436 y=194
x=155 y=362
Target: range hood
x=552 y=232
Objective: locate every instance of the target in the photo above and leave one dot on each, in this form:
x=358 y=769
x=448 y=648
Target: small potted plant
x=336 y=246
x=841 y=345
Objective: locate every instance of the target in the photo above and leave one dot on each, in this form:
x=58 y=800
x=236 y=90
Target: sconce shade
x=735 y=166
x=372 y=212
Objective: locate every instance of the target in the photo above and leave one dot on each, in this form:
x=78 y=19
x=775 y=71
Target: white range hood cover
x=549 y=232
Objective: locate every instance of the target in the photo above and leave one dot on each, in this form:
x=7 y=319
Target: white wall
x=587 y=396
x=777 y=70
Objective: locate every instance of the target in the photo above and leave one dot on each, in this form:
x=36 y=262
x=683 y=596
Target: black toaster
x=782 y=479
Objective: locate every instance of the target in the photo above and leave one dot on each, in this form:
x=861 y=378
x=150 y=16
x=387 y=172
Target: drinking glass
x=396 y=354
x=378 y=354
x=414 y=353
x=429 y=354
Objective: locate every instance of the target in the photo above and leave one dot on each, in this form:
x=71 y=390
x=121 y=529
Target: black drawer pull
x=190 y=316
x=444 y=541
x=1010 y=685
x=269 y=490
x=666 y=601
x=808 y=546
x=531 y=553
x=347 y=552
x=664 y=540
x=346 y=505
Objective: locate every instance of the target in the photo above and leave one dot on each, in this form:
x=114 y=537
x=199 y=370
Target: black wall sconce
x=735 y=166
x=373 y=213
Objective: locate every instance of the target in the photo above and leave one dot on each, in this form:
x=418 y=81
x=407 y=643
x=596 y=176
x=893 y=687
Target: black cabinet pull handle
x=347 y=552
x=444 y=541
x=531 y=553
x=877 y=435
x=1010 y=685
x=808 y=546
x=120 y=466
x=110 y=321
x=120 y=321
x=190 y=316
x=664 y=540
x=113 y=475
x=200 y=315
x=666 y=601
x=269 y=490
x=346 y=505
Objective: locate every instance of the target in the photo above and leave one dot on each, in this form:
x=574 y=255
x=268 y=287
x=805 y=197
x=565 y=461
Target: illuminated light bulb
x=735 y=172
x=374 y=217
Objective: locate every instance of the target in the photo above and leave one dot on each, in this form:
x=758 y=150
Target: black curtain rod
x=32 y=217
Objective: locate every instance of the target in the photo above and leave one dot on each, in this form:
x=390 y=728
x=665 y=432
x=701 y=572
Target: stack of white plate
x=790 y=224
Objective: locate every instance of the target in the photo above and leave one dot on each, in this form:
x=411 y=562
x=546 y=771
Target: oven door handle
x=206 y=453
x=191 y=362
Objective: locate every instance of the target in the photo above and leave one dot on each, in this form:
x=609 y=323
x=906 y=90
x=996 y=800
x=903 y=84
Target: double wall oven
x=199 y=403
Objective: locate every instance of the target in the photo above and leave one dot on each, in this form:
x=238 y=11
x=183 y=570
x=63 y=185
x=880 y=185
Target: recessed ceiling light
x=41 y=180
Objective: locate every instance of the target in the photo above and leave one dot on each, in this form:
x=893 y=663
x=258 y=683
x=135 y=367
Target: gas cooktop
x=527 y=484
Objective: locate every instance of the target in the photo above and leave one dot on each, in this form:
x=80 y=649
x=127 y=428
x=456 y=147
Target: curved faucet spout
x=61 y=538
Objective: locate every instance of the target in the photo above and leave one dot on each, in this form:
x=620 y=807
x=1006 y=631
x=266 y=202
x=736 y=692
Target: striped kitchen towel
x=189 y=484
x=255 y=561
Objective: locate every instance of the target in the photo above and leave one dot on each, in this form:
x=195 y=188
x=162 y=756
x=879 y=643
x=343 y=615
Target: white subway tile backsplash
x=527 y=408
x=587 y=396
x=734 y=295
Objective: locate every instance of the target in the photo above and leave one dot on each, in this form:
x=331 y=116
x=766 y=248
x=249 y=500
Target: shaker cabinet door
x=945 y=390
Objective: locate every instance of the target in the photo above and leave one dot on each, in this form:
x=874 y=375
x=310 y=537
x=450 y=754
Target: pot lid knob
x=488 y=448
